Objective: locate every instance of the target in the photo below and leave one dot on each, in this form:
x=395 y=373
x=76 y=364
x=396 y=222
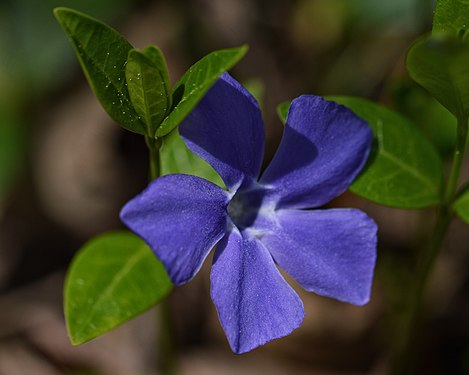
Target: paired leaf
x=148 y=85
x=102 y=53
x=461 y=206
x=175 y=157
x=441 y=65
x=113 y=278
x=452 y=17
x=193 y=85
x=403 y=169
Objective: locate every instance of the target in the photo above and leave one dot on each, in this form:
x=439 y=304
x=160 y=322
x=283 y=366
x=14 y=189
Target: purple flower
x=261 y=222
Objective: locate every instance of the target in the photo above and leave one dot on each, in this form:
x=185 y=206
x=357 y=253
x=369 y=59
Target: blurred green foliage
x=35 y=53
x=35 y=58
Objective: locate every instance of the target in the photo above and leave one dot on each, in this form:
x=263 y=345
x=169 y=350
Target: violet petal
x=226 y=130
x=254 y=303
x=323 y=148
x=181 y=218
x=329 y=252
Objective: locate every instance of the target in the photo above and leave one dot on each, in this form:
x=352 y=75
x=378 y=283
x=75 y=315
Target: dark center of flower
x=244 y=207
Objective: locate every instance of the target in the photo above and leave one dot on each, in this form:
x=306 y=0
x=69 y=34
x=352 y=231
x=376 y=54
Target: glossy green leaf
x=451 y=16
x=113 y=278
x=148 y=85
x=403 y=170
x=435 y=121
x=175 y=157
x=461 y=206
x=282 y=111
x=193 y=85
x=157 y=58
x=441 y=65
x=102 y=53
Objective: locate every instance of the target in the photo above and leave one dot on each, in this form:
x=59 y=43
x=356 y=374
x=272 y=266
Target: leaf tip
x=59 y=12
x=244 y=48
x=75 y=341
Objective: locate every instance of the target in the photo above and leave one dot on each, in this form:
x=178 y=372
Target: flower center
x=244 y=207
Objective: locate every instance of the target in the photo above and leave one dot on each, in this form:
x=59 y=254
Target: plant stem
x=153 y=145
x=457 y=160
x=167 y=356
x=405 y=352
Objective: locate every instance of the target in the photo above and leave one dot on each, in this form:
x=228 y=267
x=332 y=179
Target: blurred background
x=66 y=169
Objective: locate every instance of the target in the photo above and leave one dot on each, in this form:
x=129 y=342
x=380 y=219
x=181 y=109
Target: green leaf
x=175 y=157
x=157 y=58
x=282 y=111
x=102 y=53
x=461 y=206
x=193 y=85
x=451 y=16
x=148 y=85
x=441 y=65
x=113 y=278
x=435 y=121
x=403 y=170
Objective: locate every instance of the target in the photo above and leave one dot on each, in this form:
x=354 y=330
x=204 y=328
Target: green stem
x=153 y=145
x=406 y=351
x=457 y=160
x=167 y=356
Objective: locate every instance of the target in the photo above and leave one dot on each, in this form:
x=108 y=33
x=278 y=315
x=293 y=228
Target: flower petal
x=254 y=303
x=181 y=218
x=323 y=148
x=226 y=130
x=329 y=252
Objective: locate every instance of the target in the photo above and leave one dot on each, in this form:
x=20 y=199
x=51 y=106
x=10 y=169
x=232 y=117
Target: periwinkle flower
x=259 y=223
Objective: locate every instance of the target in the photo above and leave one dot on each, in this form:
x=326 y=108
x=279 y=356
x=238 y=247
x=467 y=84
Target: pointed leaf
x=102 y=53
x=282 y=111
x=461 y=206
x=113 y=278
x=157 y=57
x=175 y=157
x=451 y=16
x=147 y=82
x=441 y=65
x=193 y=85
x=403 y=170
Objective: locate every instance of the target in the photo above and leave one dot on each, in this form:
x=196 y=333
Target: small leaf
x=148 y=86
x=451 y=16
x=193 y=85
x=102 y=53
x=282 y=111
x=113 y=278
x=461 y=206
x=403 y=170
x=157 y=57
x=175 y=157
x=441 y=65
